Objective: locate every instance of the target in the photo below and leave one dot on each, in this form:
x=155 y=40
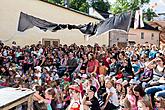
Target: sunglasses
x=121 y=106
x=158 y=101
x=158 y=61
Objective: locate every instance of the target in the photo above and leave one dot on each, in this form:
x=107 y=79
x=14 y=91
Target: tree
x=83 y=5
x=80 y=5
x=101 y=5
x=127 y=5
x=149 y=14
x=60 y=2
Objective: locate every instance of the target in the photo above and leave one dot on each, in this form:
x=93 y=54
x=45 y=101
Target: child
x=136 y=69
x=102 y=69
x=131 y=97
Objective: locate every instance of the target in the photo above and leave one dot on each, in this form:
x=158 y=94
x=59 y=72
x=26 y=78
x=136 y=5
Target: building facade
x=10 y=12
x=141 y=36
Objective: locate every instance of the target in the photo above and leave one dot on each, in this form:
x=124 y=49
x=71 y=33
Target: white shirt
x=41 y=50
x=114 y=98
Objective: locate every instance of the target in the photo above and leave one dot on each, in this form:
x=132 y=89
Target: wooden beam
x=19 y=102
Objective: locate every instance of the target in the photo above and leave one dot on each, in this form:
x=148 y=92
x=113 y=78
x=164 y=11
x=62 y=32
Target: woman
x=158 y=78
x=102 y=88
x=95 y=82
x=147 y=76
x=125 y=105
x=131 y=97
x=120 y=90
x=114 y=67
x=112 y=101
x=127 y=71
x=144 y=105
x=92 y=65
x=66 y=98
x=159 y=104
x=84 y=64
x=64 y=60
x=139 y=93
x=158 y=67
x=50 y=99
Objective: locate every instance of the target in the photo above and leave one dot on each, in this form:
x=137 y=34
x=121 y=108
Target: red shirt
x=75 y=106
x=106 y=63
x=91 y=65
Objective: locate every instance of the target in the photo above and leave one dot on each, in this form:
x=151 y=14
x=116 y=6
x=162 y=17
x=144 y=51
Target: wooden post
x=109 y=35
x=30 y=102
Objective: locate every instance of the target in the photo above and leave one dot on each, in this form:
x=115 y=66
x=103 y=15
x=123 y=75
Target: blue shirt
x=136 y=67
x=152 y=54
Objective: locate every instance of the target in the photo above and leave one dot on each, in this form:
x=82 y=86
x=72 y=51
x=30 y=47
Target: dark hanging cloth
x=121 y=21
x=89 y=28
x=27 y=22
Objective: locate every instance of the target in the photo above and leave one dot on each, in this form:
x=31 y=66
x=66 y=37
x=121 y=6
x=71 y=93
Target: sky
x=160 y=8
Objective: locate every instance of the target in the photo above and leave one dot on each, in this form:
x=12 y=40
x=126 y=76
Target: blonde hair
x=162 y=103
x=146 y=103
x=126 y=103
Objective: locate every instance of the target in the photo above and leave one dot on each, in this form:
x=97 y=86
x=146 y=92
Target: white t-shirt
x=114 y=98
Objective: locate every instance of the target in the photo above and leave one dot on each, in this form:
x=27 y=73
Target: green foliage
x=51 y=1
x=80 y=5
x=149 y=14
x=101 y=5
x=83 y=5
x=127 y=5
x=61 y=2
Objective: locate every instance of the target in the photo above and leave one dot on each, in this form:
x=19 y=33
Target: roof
x=70 y=9
x=146 y=26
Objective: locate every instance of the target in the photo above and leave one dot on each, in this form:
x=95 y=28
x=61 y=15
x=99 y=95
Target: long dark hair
x=163 y=59
x=139 y=89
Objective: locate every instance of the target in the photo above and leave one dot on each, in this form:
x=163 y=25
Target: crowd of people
x=86 y=77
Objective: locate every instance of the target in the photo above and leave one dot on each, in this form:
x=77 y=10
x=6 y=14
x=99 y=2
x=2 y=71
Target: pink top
x=132 y=100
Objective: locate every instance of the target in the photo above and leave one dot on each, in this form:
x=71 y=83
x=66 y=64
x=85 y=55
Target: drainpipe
x=159 y=38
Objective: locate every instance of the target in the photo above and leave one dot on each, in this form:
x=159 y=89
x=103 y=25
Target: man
x=153 y=52
x=90 y=101
x=71 y=64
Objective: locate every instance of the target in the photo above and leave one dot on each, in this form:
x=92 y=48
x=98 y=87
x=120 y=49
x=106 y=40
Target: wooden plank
x=15 y=103
x=30 y=102
x=9 y=95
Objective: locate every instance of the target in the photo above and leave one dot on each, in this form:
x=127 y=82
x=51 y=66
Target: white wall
x=10 y=11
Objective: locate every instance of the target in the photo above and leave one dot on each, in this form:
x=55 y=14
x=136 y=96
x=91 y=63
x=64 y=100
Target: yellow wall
x=135 y=35
x=9 y=16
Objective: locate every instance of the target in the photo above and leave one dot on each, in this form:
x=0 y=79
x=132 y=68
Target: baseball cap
x=75 y=88
x=92 y=88
x=47 y=68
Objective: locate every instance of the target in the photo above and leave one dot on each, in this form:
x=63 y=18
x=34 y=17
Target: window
x=47 y=43
x=152 y=36
x=142 y=35
x=51 y=42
